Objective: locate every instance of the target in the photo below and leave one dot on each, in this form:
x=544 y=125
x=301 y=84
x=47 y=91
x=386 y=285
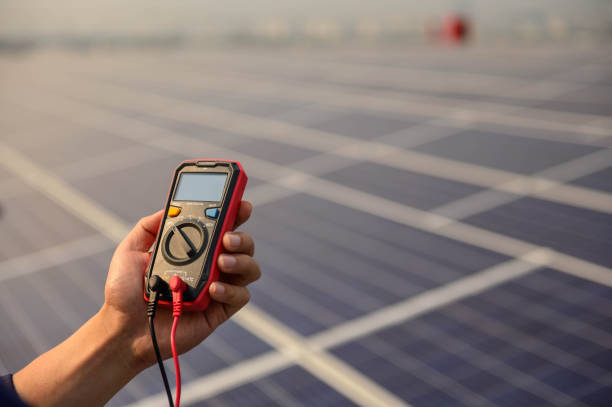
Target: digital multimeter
x=202 y=205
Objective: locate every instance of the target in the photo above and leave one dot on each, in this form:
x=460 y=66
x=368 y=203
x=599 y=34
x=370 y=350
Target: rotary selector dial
x=184 y=241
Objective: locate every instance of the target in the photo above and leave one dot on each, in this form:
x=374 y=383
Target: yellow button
x=174 y=211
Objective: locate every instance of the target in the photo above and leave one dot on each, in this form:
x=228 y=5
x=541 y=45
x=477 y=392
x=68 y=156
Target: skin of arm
x=114 y=345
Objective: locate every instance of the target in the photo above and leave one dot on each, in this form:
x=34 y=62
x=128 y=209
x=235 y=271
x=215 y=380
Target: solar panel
x=521 y=343
x=586 y=233
x=414 y=246
x=599 y=180
x=290 y=387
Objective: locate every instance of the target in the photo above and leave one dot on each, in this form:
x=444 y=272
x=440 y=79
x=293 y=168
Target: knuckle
x=246 y=238
x=236 y=294
x=257 y=271
x=248 y=243
x=231 y=290
x=241 y=262
x=251 y=269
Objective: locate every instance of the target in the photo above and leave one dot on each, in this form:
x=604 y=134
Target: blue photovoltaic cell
x=409 y=188
x=30 y=222
x=133 y=193
x=16 y=351
x=53 y=303
x=593 y=99
x=540 y=340
x=519 y=154
x=325 y=263
x=57 y=143
x=193 y=130
x=288 y=388
x=278 y=153
x=601 y=180
x=232 y=101
x=363 y=125
x=579 y=232
x=561 y=105
x=262 y=107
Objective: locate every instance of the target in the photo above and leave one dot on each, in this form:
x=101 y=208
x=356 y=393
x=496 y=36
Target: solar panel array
x=434 y=225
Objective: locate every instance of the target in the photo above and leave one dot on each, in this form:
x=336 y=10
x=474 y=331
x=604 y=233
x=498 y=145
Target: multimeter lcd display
x=205 y=187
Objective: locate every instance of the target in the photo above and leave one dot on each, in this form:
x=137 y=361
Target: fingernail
x=228 y=261
x=233 y=240
x=218 y=289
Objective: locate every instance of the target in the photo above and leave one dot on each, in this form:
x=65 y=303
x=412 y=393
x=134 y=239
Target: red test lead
x=178 y=286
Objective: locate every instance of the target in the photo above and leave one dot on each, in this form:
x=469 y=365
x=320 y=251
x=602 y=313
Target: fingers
x=244 y=213
x=241 y=268
x=232 y=295
x=238 y=242
x=144 y=233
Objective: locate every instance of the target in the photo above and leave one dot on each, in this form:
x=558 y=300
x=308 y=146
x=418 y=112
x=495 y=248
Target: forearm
x=88 y=368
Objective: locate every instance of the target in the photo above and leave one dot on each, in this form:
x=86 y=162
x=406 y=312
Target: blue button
x=212 y=213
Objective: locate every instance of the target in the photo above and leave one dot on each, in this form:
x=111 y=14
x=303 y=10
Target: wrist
x=121 y=337
x=88 y=368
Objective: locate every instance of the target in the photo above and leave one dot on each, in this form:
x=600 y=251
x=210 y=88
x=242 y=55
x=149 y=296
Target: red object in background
x=454 y=29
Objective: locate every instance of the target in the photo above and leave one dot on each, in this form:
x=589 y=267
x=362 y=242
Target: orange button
x=174 y=211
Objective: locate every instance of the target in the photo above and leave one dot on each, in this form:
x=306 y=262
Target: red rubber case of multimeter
x=194 y=223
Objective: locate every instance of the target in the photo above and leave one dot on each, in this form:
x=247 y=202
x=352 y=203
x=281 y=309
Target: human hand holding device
x=202 y=205
x=112 y=347
x=123 y=291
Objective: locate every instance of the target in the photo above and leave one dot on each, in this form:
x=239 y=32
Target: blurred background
x=432 y=187
x=31 y=23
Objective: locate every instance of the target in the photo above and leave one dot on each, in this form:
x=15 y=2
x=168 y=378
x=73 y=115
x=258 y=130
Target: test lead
x=156 y=284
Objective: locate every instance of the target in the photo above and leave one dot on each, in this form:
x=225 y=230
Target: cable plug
x=178 y=286
x=156 y=286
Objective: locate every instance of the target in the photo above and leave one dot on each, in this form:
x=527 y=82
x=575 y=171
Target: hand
x=124 y=304
x=114 y=345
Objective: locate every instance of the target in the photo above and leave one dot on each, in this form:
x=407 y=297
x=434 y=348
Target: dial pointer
x=192 y=249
